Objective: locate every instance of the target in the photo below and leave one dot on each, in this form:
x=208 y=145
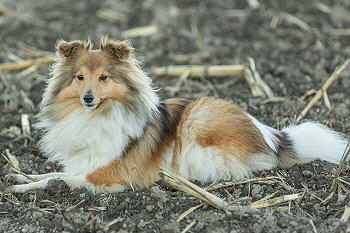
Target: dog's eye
x=103 y=77
x=80 y=77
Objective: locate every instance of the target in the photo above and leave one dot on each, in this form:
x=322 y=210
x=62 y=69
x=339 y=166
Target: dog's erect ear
x=69 y=49
x=121 y=50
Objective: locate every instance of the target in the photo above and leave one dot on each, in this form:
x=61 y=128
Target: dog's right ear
x=70 y=49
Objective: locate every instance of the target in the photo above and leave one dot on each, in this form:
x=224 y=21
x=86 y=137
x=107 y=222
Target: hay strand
x=186 y=186
x=324 y=88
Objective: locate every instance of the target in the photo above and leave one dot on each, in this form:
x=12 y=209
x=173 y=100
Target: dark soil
x=291 y=58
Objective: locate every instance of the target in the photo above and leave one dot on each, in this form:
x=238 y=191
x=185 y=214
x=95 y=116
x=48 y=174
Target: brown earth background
x=296 y=46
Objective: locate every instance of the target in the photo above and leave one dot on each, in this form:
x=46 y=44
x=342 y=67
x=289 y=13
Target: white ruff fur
x=83 y=142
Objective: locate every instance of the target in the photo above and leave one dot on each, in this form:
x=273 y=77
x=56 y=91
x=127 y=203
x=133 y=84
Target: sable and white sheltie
x=105 y=124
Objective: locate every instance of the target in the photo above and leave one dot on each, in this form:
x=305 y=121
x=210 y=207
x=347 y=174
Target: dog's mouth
x=91 y=106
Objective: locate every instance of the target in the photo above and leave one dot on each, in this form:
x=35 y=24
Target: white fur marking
x=268 y=133
x=83 y=142
x=313 y=140
x=209 y=165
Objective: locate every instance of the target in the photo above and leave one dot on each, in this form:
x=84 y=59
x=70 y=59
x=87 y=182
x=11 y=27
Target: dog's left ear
x=121 y=50
x=70 y=49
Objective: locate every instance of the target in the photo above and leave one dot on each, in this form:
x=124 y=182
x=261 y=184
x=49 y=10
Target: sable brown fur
x=219 y=124
x=139 y=166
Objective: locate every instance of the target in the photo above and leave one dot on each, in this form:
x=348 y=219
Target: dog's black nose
x=88 y=98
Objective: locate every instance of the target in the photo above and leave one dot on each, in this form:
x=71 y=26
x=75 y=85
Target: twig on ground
x=308 y=93
x=6 y=11
x=200 y=71
x=341 y=167
x=25 y=125
x=313 y=226
x=324 y=88
x=110 y=15
x=141 y=31
x=296 y=21
x=192 y=57
x=108 y=225
x=265 y=180
x=187 y=212
x=335 y=183
x=257 y=86
x=192 y=189
x=188 y=226
x=274 y=99
x=177 y=87
x=23 y=64
x=12 y=161
x=346 y=213
x=340 y=32
x=32 y=51
x=263 y=203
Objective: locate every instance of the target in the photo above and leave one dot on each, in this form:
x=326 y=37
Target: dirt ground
x=296 y=46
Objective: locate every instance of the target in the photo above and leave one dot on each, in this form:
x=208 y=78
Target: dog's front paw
x=19 y=178
x=15 y=189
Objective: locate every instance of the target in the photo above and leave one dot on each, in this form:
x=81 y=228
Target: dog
x=103 y=122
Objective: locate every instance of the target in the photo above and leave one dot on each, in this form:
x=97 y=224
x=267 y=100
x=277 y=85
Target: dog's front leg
x=72 y=181
x=21 y=178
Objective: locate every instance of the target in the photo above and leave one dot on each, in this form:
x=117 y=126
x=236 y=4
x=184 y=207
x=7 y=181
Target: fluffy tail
x=312 y=140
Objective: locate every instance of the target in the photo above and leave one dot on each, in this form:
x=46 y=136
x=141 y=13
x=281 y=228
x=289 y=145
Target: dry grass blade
x=187 y=212
x=340 y=32
x=335 y=182
x=313 y=226
x=257 y=85
x=111 y=223
x=11 y=160
x=296 y=21
x=20 y=65
x=188 y=226
x=32 y=51
x=265 y=180
x=324 y=88
x=25 y=125
x=141 y=31
x=263 y=203
x=6 y=11
x=192 y=189
x=346 y=214
x=200 y=71
x=110 y=15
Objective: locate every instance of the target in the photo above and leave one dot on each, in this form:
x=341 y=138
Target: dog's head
x=95 y=79
x=95 y=76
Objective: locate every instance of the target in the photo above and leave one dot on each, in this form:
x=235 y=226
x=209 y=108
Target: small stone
x=341 y=197
x=342 y=111
x=256 y=189
x=149 y=208
x=159 y=194
x=307 y=173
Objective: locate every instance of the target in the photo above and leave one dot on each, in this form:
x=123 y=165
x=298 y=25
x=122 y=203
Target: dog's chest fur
x=83 y=142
